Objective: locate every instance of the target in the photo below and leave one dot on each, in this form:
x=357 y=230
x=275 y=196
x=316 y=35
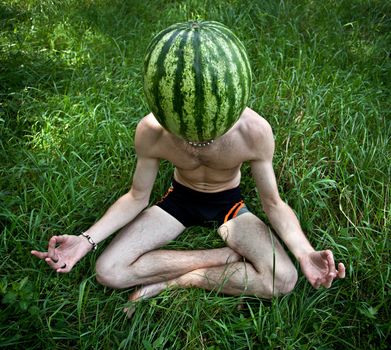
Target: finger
x=52 y=249
x=333 y=275
x=53 y=243
x=51 y=263
x=54 y=265
x=40 y=255
x=316 y=283
x=129 y=311
x=330 y=260
x=61 y=239
x=64 y=268
x=329 y=280
x=325 y=254
x=341 y=270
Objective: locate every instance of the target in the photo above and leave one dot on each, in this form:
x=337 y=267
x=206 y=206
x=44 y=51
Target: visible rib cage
x=197 y=79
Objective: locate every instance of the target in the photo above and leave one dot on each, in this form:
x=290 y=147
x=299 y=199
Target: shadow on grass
x=26 y=69
x=32 y=66
x=118 y=18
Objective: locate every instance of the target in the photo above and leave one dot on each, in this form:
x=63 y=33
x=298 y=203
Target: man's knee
x=112 y=274
x=280 y=283
x=106 y=274
x=286 y=281
x=247 y=224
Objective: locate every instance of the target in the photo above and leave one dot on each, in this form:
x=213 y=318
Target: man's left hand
x=319 y=268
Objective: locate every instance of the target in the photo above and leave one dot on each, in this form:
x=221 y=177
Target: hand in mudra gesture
x=64 y=252
x=319 y=268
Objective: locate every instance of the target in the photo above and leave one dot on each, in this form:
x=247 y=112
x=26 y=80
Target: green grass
x=70 y=97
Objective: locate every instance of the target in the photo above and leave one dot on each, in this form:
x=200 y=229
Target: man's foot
x=151 y=290
x=142 y=293
x=232 y=255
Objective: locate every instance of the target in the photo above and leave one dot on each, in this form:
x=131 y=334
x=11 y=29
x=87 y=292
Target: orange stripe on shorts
x=237 y=210
x=165 y=196
x=236 y=206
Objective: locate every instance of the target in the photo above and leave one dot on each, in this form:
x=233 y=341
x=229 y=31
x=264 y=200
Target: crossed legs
x=133 y=258
x=253 y=263
x=266 y=271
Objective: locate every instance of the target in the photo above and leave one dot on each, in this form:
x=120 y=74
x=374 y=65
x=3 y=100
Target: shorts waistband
x=182 y=189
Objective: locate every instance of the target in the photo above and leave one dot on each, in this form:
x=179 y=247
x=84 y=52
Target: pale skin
x=253 y=262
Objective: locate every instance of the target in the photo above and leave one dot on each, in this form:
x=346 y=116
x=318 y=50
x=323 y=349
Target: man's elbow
x=272 y=204
x=140 y=197
x=142 y=201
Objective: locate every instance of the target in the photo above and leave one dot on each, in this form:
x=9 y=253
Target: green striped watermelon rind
x=197 y=79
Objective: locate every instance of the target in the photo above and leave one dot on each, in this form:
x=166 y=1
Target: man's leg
x=132 y=259
x=267 y=270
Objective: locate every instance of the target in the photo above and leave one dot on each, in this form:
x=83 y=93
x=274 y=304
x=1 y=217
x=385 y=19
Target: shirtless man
x=253 y=263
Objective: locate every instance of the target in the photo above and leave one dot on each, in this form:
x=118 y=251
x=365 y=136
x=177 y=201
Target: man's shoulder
x=148 y=132
x=149 y=124
x=254 y=127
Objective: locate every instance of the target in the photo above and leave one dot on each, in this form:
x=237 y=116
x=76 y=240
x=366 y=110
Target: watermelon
x=197 y=79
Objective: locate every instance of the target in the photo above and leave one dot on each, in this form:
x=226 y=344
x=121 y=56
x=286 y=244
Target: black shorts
x=193 y=208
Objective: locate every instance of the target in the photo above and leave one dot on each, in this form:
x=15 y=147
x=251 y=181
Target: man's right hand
x=64 y=252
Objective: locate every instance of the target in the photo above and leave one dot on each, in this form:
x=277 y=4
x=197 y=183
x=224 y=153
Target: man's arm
x=280 y=215
x=318 y=267
x=128 y=206
x=66 y=250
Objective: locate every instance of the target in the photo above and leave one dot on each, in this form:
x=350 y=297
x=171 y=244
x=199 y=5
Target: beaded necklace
x=200 y=144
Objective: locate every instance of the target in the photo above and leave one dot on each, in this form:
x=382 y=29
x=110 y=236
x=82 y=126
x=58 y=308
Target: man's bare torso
x=215 y=167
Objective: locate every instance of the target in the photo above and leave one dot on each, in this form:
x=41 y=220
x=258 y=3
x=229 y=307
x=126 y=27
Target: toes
x=129 y=311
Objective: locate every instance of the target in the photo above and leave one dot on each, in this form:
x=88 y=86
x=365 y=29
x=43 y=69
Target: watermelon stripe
x=153 y=44
x=244 y=68
x=233 y=38
x=178 y=100
x=160 y=71
x=229 y=80
x=243 y=56
x=199 y=90
x=221 y=81
x=188 y=84
x=241 y=76
x=215 y=91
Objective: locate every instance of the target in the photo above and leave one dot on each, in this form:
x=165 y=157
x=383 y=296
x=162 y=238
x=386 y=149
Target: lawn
x=70 y=98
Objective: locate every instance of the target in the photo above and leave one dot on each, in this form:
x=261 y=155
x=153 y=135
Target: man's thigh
x=150 y=230
x=251 y=238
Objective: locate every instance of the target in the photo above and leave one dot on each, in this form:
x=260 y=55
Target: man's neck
x=200 y=144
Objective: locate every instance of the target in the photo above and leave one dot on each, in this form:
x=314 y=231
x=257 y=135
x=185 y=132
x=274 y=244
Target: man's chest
x=224 y=153
x=189 y=158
